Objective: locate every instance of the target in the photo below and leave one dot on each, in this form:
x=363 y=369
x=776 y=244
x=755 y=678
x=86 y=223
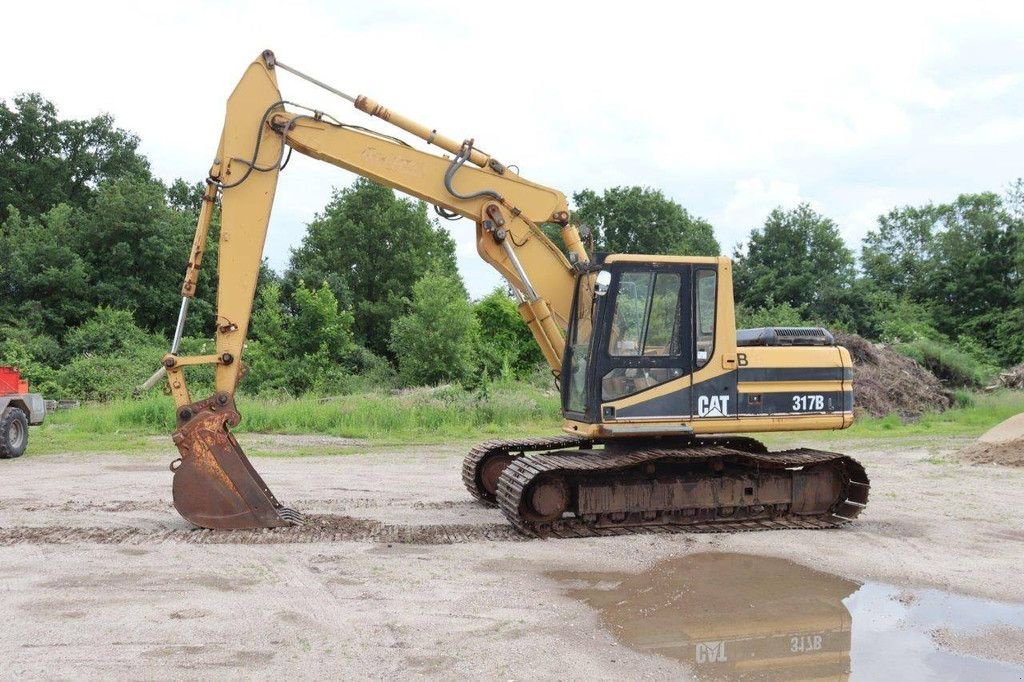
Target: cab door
x=647 y=341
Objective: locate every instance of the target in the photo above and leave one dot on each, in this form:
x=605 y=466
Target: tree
x=309 y=349
x=507 y=347
x=46 y=160
x=643 y=220
x=370 y=248
x=978 y=273
x=43 y=280
x=1015 y=198
x=434 y=342
x=797 y=258
x=962 y=262
x=898 y=255
x=135 y=248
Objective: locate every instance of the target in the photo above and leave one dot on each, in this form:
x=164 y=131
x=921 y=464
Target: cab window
x=646 y=318
x=707 y=289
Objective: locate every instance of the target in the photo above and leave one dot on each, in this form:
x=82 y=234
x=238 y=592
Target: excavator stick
x=215 y=486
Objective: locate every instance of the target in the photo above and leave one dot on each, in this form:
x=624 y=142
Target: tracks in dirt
x=317 y=529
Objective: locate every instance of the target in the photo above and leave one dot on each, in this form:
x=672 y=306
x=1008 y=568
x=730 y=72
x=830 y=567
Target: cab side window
x=704 y=320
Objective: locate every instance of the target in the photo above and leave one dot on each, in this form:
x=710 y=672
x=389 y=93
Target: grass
x=423 y=415
x=436 y=415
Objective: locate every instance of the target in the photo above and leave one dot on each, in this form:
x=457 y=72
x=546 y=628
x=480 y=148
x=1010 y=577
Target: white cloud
x=730 y=108
x=752 y=200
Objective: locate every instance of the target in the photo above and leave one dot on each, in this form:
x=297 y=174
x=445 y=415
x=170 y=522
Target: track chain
x=517 y=477
x=472 y=462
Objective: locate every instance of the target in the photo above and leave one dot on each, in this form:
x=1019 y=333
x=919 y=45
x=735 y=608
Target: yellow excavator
x=656 y=382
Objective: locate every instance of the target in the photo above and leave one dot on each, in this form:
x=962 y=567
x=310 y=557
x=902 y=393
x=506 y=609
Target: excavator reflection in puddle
x=728 y=616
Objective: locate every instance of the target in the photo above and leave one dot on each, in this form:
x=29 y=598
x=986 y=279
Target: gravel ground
x=400 y=573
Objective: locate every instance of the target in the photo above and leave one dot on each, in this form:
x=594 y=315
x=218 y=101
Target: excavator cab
x=638 y=324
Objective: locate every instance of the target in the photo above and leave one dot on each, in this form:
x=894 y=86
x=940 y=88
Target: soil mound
x=886 y=382
x=1002 y=444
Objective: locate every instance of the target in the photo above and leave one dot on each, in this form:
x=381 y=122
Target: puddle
x=734 y=616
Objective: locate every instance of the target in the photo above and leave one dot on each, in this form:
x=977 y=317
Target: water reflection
x=734 y=616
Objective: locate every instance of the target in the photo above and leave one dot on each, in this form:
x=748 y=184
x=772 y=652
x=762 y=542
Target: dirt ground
x=400 y=573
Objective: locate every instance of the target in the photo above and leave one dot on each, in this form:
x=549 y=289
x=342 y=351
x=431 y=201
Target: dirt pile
x=1002 y=444
x=886 y=382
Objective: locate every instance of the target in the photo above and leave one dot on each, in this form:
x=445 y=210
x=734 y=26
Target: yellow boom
x=214 y=485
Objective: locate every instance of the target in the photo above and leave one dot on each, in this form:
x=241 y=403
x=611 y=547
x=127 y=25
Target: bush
x=33 y=354
x=435 y=342
x=771 y=315
x=105 y=377
x=507 y=349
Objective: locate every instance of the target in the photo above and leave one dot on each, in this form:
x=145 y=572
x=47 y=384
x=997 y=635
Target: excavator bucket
x=215 y=486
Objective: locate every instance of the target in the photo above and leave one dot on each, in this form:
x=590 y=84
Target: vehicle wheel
x=13 y=433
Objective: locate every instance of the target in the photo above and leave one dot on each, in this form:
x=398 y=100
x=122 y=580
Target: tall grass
x=437 y=415
x=421 y=415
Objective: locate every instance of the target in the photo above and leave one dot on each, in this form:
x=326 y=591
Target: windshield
x=580 y=330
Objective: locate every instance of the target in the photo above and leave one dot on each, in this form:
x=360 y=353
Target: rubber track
x=472 y=461
x=516 y=478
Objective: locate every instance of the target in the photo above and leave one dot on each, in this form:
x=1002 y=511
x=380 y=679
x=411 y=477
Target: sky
x=731 y=109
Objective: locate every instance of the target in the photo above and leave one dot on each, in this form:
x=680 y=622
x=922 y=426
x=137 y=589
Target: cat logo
x=711 y=652
x=713 y=406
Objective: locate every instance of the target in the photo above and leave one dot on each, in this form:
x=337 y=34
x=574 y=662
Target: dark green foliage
x=370 y=247
x=48 y=161
x=797 y=258
x=643 y=220
x=35 y=354
x=43 y=280
x=435 y=341
x=962 y=262
x=135 y=248
x=107 y=332
x=507 y=347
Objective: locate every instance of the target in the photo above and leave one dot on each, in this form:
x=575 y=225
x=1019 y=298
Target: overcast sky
x=731 y=110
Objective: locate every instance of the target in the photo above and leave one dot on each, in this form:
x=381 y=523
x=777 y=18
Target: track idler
x=215 y=486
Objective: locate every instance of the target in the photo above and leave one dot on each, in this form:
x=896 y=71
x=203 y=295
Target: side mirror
x=602 y=282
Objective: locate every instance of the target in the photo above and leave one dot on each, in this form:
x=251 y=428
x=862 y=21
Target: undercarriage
x=571 y=487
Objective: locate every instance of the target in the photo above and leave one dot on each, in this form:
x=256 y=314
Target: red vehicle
x=18 y=409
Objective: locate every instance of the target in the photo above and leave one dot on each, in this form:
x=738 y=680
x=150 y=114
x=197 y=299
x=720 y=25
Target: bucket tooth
x=215 y=486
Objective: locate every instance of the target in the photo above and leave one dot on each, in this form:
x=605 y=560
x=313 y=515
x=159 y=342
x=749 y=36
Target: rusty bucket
x=215 y=486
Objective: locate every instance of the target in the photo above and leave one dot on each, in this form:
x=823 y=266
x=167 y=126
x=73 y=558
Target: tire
x=13 y=433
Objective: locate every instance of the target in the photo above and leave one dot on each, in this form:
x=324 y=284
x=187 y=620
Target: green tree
x=434 y=342
x=135 y=247
x=319 y=324
x=43 y=280
x=898 y=256
x=643 y=220
x=109 y=331
x=307 y=349
x=46 y=160
x=507 y=347
x=978 y=277
x=962 y=262
x=371 y=247
x=797 y=258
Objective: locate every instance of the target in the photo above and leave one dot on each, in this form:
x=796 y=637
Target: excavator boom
x=215 y=486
